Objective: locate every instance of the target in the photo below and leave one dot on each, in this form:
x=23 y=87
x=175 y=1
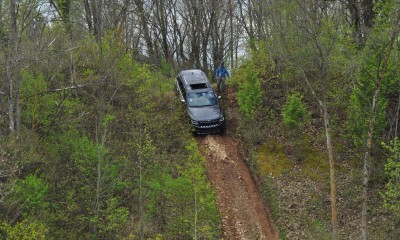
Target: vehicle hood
x=205 y=113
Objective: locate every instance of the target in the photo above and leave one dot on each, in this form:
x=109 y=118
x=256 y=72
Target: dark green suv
x=195 y=91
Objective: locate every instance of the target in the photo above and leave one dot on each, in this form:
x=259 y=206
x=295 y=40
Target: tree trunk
x=145 y=28
x=206 y=39
x=88 y=16
x=11 y=61
x=231 y=32
x=99 y=22
x=101 y=135
x=1 y=22
x=179 y=39
x=215 y=40
x=196 y=30
x=331 y=172
x=368 y=13
x=371 y=125
x=63 y=9
x=100 y=140
x=396 y=127
x=17 y=97
x=364 y=211
x=355 y=16
x=324 y=109
x=247 y=21
x=163 y=23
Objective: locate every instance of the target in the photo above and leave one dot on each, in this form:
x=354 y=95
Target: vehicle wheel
x=222 y=130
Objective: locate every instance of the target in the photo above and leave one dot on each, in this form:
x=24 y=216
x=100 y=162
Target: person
x=221 y=75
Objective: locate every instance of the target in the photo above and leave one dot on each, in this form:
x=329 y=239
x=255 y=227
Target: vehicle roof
x=193 y=77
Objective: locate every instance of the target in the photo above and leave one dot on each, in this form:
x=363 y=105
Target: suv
x=195 y=91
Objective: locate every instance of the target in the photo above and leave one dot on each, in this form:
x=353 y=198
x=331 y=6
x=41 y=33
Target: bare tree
x=246 y=16
x=12 y=72
x=381 y=72
x=63 y=9
x=144 y=16
x=179 y=35
x=368 y=13
x=161 y=15
x=207 y=21
x=93 y=16
x=219 y=37
x=361 y=18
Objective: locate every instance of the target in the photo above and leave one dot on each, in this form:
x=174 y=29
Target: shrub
x=294 y=111
x=250 y=94
x=391 y=196
x=32 y=192
x=26 y=230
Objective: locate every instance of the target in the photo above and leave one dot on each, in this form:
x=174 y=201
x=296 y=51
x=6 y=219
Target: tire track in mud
x=244 y=215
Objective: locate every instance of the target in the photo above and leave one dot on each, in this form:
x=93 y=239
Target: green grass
x=272 y=159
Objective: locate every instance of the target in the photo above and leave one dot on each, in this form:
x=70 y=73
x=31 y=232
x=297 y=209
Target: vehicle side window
x=181 y=88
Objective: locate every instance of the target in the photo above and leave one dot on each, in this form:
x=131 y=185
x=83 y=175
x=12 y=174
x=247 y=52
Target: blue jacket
x=222 y=72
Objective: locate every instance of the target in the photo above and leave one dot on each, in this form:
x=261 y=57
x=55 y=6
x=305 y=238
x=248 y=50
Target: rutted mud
x=244 y=215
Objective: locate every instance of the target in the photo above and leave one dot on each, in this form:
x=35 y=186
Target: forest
x=92 y=144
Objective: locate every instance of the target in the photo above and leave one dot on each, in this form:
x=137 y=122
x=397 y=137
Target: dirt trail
x=244 y=215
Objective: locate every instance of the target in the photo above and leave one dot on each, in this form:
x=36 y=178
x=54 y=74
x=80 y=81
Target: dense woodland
x=92 y=144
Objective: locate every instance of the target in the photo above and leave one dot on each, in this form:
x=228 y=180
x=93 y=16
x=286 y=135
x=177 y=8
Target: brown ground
x=244 y=215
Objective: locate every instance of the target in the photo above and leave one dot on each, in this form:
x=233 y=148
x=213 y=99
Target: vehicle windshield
x=201 y=99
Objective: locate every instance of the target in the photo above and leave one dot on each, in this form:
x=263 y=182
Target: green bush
x=294 y=112
x=32 y=191
x=249 y=95
x=184 y=204
x=391 y=196
x=25 y=230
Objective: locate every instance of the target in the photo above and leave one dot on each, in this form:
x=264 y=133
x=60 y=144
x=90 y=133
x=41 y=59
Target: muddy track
x=244 y=215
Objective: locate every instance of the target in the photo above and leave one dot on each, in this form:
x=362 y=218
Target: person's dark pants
x=220 y=84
